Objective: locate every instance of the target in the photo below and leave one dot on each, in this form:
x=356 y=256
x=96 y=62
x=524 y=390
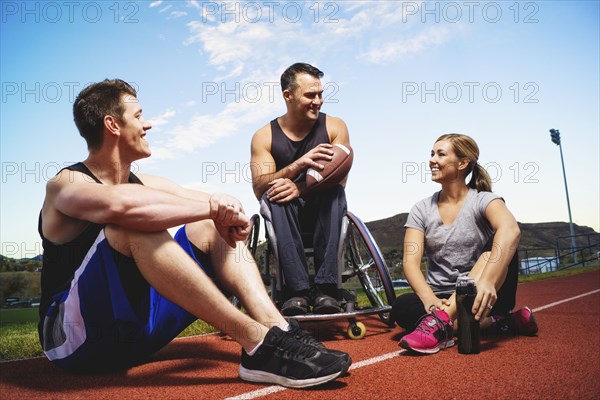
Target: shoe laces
x=293 y=347
x=424 y=325
x=301 y=335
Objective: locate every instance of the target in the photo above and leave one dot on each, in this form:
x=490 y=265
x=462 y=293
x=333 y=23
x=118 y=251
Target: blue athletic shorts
x=110 y=317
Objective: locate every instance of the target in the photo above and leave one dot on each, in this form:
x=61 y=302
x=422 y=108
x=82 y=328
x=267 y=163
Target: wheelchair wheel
x=367 y=263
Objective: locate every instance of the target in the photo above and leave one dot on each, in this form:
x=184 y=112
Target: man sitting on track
x=116 y=287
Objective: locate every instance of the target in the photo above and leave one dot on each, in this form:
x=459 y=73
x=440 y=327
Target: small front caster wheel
x=357 y=330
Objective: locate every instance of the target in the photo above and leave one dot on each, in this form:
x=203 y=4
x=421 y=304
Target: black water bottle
x=468 y=326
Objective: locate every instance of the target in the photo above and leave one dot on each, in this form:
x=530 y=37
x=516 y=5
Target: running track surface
x=562 y=362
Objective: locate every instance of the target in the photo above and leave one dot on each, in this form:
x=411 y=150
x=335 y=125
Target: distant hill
x=8 y=259
x=24 y=264
x=389 y=234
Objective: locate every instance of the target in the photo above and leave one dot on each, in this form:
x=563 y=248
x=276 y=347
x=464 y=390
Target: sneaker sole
x=267 y=377
x=442 y=345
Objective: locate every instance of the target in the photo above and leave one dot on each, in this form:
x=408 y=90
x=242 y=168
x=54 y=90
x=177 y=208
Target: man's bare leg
x=176 y=276
x=236 y=270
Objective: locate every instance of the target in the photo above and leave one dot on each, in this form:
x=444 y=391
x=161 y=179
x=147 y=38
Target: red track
x=562 y=362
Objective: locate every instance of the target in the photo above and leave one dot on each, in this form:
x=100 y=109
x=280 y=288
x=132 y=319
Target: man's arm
x=263 y=167
x=337 y=130
x=262 y=163
x=132 y=206
x=226 y=211
x=73 y=200
x=338 y=134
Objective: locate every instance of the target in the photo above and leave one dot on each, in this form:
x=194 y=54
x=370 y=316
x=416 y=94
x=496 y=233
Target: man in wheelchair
x=282 y=151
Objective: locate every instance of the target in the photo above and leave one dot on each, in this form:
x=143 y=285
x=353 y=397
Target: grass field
x=18 y=327
x=18 y=315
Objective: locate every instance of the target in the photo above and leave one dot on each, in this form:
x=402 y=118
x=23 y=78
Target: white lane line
x=258 y=393
x=275 y=389
x=565 y=300
x=374 y=360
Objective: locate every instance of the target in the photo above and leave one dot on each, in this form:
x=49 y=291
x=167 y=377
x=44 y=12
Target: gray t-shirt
x=452 y=250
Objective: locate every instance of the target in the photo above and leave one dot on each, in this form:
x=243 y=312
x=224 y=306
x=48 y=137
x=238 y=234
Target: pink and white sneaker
x=433 y=333
x=520 y=322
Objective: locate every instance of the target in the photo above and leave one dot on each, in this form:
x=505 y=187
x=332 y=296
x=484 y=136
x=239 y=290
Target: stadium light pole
x=555 y=136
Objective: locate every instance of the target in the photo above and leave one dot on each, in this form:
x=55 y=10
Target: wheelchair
x=364 y=281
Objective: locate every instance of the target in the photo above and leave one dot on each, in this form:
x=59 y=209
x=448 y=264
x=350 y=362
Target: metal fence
x=545 y=259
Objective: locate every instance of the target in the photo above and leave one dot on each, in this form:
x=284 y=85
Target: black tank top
x=61 y=261
x=285 y=151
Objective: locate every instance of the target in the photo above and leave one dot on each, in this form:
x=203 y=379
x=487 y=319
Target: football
x=335 y=169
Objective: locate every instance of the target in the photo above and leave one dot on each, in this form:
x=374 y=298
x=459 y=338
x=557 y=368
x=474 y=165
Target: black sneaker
x=301 y=335
x=283 y=360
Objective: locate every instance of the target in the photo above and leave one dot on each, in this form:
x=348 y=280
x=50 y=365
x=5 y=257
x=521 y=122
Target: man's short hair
x=94 y=103
x=288 y=78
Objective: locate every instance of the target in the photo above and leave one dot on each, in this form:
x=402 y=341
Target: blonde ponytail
x=480 y=179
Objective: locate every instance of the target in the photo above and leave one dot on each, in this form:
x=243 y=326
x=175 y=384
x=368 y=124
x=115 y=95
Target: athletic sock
x=251 y=352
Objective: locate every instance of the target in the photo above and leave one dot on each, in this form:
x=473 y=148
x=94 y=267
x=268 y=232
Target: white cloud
x=379 y=32
x=241 y=44
x=363 y=19
x=177 y=14
x=194 y=3
x=165 y=9
x=162 y=119
x=155 y=3
x=202 y=130
x=230 y=45
x=243 y=52
x=204 y=10
x=394 y=50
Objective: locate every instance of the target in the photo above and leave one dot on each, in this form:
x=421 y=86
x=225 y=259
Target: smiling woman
x=465 y=230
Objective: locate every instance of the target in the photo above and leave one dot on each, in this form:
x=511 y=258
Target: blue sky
x=399 y=73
